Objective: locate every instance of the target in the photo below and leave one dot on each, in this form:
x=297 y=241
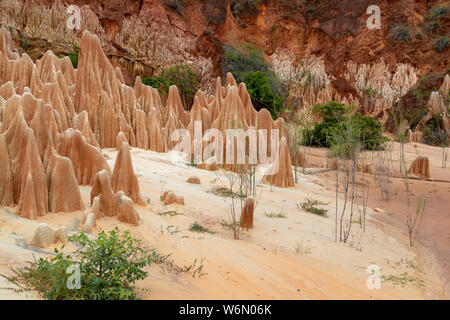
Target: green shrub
x=239 y=61
x=159 y=83
x=336 y=121
x=263 y=93
x=74 y=56
x=437 y=12
x=314 y=206
x=441 y=44
x=182 y=76
x=402 y=33
x=247 y=65
x=109 y=266
x=196 y=227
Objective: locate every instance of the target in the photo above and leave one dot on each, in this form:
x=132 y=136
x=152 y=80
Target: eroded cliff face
x=326 y=38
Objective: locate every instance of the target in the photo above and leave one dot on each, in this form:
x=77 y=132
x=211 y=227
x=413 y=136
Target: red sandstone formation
x=247 y=213
x=123 y=178
x=281 y=171
x=421 y=167
x=54 y=119
x=105 y=201
x=169 y=197
x=415 y=136
x=193 y=180
x=86 y=159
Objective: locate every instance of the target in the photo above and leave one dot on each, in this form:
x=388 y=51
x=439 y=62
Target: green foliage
x=313 y=206
x=182 y=76
x=242 y=60
x=196 y=227
x=402 y=33
x=262 y=93
x=336 y=120
x=74 y=56
x=109 y=266
x=247 y=65
x=159 y=83
x=332 y=115
x=275 y=215
x=437 y=12
x=441 y=44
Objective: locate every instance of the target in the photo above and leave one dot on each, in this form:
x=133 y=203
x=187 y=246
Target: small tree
x=109 y=266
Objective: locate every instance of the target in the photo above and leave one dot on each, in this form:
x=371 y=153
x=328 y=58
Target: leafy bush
x=441 y=44
x=159 y=83
x=402 y=33
x=437 y=12
x=74 y=56
x=239 y=61
x=109 y=266
x=262 y=92
x=196 y=227
x=335 y=120
x=182 y=76
x=247 y=65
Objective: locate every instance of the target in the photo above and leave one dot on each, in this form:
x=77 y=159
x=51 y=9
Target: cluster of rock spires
x=371 y=88
x=436 y=106
x=55 y=119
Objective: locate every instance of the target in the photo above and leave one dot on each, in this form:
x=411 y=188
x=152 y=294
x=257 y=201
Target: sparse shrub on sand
x=314 y=206
x=109 y=267
x=275 y=215
x=196 y=227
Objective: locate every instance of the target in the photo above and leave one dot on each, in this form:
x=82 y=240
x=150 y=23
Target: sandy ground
x=294 y=257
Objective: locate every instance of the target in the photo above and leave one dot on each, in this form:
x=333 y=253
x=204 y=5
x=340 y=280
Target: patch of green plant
x=73 y=55
x=196 y=227
x=402 y=33
x=403 y=279
x=225 y=193
x=441 y=44
x=170 y=213
x=24 y=44
x=314 y=206
x=275 y=215
x=182 y=76
x=336 y=120
x=247 y=65
x=437 y=12
x=262 y=92
x=159 y=83
x=109 y=267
